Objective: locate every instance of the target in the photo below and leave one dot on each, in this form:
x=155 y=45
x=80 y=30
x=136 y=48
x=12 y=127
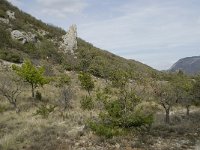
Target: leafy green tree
x=183 y=88
x=119 y=79
x=86 y=81
x=166 y=96
x=196 y=90
x=31 y=74
x=120 y=115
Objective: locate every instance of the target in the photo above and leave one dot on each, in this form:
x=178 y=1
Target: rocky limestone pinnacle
x=69 y=43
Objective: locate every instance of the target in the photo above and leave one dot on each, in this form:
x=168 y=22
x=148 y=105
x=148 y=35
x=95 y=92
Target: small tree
x=196 y=90
x=10 y=88
x=183 y=88
x=120 y=113
x=119 y=79
x=86 y=81
x=166 y=96
x=31 y=74
x=66 y=96
x=66 y=93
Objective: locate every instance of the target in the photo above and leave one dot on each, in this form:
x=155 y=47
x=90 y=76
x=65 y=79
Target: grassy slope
x=25 y=131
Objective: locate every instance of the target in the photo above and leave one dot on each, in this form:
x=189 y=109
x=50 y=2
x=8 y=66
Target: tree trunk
x=167 y=118
x=33 y=92
x=14 y=104
x=89 y=92
x=188 y=110
x=15 y=107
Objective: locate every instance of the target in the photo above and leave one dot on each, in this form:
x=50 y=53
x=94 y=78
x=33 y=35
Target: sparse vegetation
x=44 y=111
x=11 y=88
x=87 y=103
x=86 y=82
x=93 y=94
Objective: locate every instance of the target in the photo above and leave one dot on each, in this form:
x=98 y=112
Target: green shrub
x=86 y=81
x=101 y=96
x=2 y=109
x=117 y=116
x=87 y=103
x=2 y=13
x=62 y=80
x=38 y=95
x=120 y=115
x=44 y=111
x=5 y=38
x=10 y=56
x=105 y=130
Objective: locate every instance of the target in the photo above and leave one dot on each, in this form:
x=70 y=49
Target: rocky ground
x=28 y=132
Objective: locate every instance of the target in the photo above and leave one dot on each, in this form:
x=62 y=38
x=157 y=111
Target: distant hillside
x=190 y=65
x=23 y=36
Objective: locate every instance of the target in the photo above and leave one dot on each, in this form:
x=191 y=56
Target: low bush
x=2 y=13
x=119 y=116
x=2 y=109
x=44 y=111
x=38 y=96
x=115 y=115
x=9 y=56
x=105 y=130
x=87 y=103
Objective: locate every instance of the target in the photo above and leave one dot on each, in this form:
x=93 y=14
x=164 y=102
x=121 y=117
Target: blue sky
x=155 y=32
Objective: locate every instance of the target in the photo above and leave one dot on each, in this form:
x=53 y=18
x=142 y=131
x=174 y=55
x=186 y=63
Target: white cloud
x=61 y=8
x=16 y=2
x=156 y=32
x=146 y=29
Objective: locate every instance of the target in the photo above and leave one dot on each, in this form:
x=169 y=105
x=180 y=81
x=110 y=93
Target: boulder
x=23 y=36
x=5 y=65
x=31 y=37
x=69 y=40
x=18 y=35
x=76 y=131
x=4 y=20
x=10 y=14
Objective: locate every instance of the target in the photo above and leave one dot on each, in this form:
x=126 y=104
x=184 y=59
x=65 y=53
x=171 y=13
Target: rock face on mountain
x=23 y=36
x=69 y=40
x=10 y=14
x=189 y=65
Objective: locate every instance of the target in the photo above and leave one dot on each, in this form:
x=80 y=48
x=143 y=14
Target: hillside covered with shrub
x=98 y=62
x=86 y=98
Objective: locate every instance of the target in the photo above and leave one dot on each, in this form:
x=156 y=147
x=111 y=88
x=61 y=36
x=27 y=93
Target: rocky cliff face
x=189 y=65
x=69 y=40
x=23 y=36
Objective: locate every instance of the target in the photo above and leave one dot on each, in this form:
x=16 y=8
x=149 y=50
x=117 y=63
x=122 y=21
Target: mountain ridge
x=189 y=65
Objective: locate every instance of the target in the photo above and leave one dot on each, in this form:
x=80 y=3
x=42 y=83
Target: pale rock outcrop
x=69 y=40
x=4 y=20
x=31 y=37
x=10 y=14
x=5 y=65
x=76 y=131
x=23 y=36
x=42 y=32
